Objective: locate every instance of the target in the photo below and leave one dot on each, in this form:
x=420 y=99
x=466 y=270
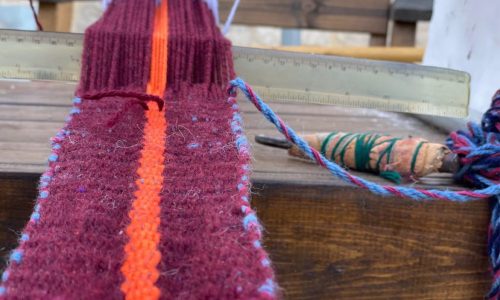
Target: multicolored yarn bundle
x=147 y=204
x=479 y=153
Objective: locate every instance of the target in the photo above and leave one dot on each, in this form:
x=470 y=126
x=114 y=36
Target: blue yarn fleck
x=193 y=145
x=265 y=262
x=53 y=157
x=5 y=276
x=250 y=219
x=35 y=216
x=44 y=194
x=16 y=256
x=241 y=141
x=24 y=237
x=267 y=287
x=2 y=290
x=46 y=178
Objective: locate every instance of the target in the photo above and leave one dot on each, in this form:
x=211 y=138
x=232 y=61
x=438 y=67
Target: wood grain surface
x=344 y=15
x=348 y=244
x=327 y=240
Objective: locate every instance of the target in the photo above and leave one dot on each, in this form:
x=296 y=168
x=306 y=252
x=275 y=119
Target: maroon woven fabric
x=73 y=248
x=202 y=230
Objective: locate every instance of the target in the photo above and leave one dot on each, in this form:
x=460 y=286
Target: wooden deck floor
x=327 y=240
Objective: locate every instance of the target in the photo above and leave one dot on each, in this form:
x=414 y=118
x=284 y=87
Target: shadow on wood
x=344 y=243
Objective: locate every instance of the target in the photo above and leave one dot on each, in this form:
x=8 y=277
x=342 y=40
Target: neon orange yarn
x=141 y=252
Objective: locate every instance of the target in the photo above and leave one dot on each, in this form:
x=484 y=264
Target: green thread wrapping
x=363 y=151
x=415 y=155
x=344 y=149
x=386 y=152
x=364 y=143
x=332 y=156
x=325 y=142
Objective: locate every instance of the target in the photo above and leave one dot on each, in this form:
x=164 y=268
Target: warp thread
x=230 y=17
x=35 y=16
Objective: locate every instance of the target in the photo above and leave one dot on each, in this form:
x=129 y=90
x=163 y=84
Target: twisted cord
x=479 y=153
x=142 y=97
x=337 y=171
x=230 y=17
x=35 y=16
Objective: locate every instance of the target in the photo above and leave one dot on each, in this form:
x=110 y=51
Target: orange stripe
x=141 y=252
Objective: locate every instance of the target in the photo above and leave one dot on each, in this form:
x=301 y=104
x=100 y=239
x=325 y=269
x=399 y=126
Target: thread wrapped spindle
x=391 y=157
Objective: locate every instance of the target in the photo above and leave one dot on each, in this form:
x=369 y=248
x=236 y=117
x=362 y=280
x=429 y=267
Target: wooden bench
x=56 y=15
x=371 y=16
x=327 y=240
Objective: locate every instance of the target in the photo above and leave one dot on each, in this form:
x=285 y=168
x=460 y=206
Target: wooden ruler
x=276 y=75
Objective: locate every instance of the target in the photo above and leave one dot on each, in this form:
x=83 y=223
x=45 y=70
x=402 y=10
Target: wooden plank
x=346 y=15
x=403 y=34
x=40 y=93
x=37 y=118
x=411 y=10
x=17 y=194
x=36 y=113
x=17 y=131
x=342 y=243
x=378 y=40
x=56 y=15
x=327 y=239
x=400 y=54
x=349 y=244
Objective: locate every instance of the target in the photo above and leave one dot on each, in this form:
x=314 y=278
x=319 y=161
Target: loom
x=160 y=229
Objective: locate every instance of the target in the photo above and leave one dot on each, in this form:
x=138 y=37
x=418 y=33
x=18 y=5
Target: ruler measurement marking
x=326 y=80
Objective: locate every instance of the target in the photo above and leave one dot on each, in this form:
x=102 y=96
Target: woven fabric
x=147 y=204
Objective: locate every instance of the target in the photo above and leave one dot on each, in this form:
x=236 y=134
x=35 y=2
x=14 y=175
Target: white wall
x=465 y=35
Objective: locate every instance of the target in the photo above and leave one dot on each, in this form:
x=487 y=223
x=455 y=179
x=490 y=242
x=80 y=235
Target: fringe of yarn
x=479 y=154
